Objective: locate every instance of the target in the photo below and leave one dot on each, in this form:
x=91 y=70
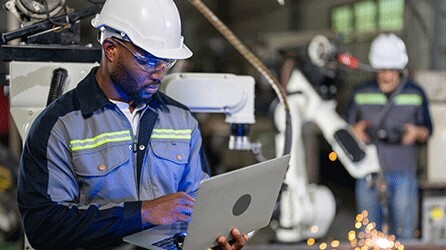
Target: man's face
x=131 y=81
x=134 y=84
x=388 y=80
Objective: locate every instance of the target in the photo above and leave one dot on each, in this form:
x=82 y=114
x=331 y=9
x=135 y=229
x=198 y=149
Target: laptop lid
x=244 y=198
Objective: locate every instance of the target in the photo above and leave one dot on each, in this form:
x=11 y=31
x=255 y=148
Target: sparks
x=369 y=237
x=365 y=236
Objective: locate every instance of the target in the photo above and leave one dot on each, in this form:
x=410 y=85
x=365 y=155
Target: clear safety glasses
x=149 y=62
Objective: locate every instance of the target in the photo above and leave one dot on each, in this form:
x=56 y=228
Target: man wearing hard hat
x=115 y=156
x=391 y=112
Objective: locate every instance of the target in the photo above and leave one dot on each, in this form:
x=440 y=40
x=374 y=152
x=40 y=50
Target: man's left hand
x=240 y=241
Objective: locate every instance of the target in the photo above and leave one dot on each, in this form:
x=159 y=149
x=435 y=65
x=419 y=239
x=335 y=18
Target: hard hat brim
x=181 y=53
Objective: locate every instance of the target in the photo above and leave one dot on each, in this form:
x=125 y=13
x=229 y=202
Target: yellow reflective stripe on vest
x=408 y=99
x=370 y=98
x=381 y=99
x=100 y=139
x=184 y=134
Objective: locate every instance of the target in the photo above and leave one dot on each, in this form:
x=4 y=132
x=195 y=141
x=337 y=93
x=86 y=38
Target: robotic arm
x=358 y=159
x=307 y=210
x=218 y=93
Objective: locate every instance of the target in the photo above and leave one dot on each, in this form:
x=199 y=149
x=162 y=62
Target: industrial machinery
x=307 y=210
x=48 y=52
x=229 y=94
x=30 y=11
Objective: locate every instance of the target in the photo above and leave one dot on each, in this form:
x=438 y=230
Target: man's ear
x=109 y=48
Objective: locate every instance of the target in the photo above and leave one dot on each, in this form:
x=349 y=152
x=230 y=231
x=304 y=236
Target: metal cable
x=252 y=59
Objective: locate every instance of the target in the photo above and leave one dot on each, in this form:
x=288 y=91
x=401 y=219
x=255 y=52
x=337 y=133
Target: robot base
x=315 y=222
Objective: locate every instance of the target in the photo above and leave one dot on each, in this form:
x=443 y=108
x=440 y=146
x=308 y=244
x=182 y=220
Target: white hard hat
x=153 y=25
x=388 y=51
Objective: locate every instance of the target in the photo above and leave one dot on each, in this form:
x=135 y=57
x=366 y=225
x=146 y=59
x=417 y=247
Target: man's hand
x=168 y=209
x=359 y=129
x=413 y=134
x=240 y=241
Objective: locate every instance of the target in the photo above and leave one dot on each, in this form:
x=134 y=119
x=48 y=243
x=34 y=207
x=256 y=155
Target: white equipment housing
x=214 y=93
x=229 y=94
x=30 y=85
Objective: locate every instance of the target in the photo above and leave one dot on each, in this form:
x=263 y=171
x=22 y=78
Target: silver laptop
x=244 y=198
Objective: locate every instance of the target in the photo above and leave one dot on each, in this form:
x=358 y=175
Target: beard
x=126 y=83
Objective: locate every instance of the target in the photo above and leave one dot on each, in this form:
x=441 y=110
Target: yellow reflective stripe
x=101 y=143
x=99 y=140
x=408 y=99
x=378 y=98
x=171 y=134
x=124 y=132
x=370 y=98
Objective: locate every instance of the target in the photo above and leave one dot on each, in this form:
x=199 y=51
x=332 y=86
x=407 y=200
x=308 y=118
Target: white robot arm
x=307 y=210
x=214 y=93
x=359 y=159
x=217 y=93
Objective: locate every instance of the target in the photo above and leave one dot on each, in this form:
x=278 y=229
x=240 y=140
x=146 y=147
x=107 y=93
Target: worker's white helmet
x=153 y=25
x=388 y=51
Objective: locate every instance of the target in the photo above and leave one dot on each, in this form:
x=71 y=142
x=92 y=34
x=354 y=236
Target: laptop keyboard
x=169 y=243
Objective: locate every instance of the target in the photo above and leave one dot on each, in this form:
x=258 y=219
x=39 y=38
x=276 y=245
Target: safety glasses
x=149 y=63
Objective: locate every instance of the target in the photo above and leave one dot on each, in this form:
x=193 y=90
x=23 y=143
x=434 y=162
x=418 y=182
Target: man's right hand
x=359 y=129
x=168 y=209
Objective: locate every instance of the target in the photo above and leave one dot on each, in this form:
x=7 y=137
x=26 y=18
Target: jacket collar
x=92 y=98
